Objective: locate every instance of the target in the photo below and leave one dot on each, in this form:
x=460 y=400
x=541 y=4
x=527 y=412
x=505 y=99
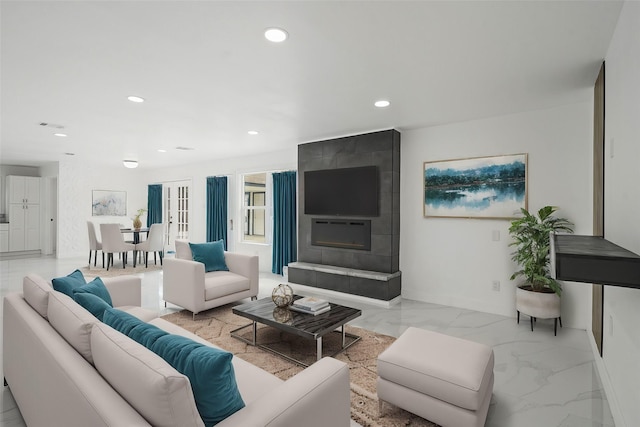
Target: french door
x=176 y=197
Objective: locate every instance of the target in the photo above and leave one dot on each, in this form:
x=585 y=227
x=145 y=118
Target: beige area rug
x=117 y=270
x=215 y=326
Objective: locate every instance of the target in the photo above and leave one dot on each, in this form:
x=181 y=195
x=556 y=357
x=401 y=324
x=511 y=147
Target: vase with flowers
x=137 y=222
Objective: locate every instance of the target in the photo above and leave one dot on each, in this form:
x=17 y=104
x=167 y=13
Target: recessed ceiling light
x=253 y=132
x=135 y=99
x=162 y=150
x=62 y=135
x=276 y=35
x=382 y=103
x=131 y=164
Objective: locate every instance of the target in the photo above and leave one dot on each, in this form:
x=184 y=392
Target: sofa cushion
x=136 y=329
x=211 y=254
x=95 y=287
x=67 y=283
x=93 y=304
x=218 y=284
x=36 y=292
x=183 y=251
x=161 y=394
x=210 y=372
x=141 y=313
x=72 y=322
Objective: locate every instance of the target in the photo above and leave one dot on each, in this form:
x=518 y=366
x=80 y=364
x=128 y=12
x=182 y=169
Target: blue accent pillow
x=95 y=287
x=210 y=372
x=93 y=304
x=68 y=283
x=210 y=254
x=129 y=325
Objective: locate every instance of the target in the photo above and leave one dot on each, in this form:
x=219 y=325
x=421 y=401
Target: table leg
x=255 y=332
x=319 y=348
x=343 y=337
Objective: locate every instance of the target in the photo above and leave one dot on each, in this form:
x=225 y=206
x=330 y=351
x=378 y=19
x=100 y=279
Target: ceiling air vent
x=185 y=148
x=51 y=125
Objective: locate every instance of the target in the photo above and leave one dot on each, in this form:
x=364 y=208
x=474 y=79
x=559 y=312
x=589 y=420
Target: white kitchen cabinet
x=4 y=237
x=23 y=203
x=23 y=189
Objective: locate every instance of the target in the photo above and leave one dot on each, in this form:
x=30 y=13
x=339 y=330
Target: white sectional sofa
x=56 y=379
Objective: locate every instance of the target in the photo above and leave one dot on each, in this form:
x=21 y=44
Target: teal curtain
x=217 y=209
x=154 y=204
x=284 y=221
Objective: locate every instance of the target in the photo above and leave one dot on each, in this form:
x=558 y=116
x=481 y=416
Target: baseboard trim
x=609 y=391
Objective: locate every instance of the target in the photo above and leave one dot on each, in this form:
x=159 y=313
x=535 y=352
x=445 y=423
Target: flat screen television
x=342 y=192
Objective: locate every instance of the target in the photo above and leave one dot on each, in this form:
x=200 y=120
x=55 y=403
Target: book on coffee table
x=311 y=303
x=308 y=311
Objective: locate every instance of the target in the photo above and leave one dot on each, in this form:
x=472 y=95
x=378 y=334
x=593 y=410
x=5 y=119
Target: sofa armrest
x=183 y=283
x=244 y=265
x=124 y=290
x=319 y=396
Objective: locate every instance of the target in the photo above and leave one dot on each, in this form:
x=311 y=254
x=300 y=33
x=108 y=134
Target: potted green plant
x=539 y=295
x=137 y=222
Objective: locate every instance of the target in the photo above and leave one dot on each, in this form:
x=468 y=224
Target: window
x=254 y=208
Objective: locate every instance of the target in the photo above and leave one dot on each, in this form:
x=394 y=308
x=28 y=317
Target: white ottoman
x=441 y=378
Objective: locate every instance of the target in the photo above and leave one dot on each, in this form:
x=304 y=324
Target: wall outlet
x=495 y=235
x=496 y=285
x=610 y=325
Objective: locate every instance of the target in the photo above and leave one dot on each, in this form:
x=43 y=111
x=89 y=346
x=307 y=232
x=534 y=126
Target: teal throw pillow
x=97 y=288
x=129 y=325
x=68 y=283
x=210 y=254
x=210 y=372
x=93 y=304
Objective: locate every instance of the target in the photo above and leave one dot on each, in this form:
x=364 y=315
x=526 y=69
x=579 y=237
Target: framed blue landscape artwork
x=480 y=187
x=113 y=203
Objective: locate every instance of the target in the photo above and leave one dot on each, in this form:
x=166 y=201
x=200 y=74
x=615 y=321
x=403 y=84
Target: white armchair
x=186 y=284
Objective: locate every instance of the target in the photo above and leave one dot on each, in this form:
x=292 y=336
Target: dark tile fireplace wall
x=381 y=149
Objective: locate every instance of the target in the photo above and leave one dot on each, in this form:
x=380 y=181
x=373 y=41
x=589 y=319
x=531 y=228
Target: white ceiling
x=209 y=76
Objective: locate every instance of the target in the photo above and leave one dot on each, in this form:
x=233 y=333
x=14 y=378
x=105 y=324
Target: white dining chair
x=112 y=242
x=154 y=243
x=94 y=244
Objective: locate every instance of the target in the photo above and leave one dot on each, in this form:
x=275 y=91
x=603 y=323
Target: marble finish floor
x=540 y=380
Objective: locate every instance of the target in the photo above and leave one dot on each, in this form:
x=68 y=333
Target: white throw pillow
x=71 y=321
x=162 y=395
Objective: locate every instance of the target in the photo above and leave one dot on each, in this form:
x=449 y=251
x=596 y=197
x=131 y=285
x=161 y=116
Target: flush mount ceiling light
x=276 y=35
x=161 y=150
x=253 y=132
x=382 y=103
x=61 y=135
x=135 y=99
x=131 y=164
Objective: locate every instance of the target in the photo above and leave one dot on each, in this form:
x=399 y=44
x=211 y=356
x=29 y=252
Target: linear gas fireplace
x=341 y=233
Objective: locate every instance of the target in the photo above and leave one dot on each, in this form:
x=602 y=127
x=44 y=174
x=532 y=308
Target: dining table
x=136 y=233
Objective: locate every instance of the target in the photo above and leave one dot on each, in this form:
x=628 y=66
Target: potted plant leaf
x=538 y=296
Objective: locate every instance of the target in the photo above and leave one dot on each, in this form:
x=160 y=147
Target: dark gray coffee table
x=307 y=326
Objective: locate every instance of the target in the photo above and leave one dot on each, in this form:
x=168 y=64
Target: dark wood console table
x=593 y=259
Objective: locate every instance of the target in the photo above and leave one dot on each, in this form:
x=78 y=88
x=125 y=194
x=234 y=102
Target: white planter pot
x=538 y=305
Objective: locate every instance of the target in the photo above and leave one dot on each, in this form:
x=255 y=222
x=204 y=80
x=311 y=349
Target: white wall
x=77 y=179
x=454 y=261
x=621 y=354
